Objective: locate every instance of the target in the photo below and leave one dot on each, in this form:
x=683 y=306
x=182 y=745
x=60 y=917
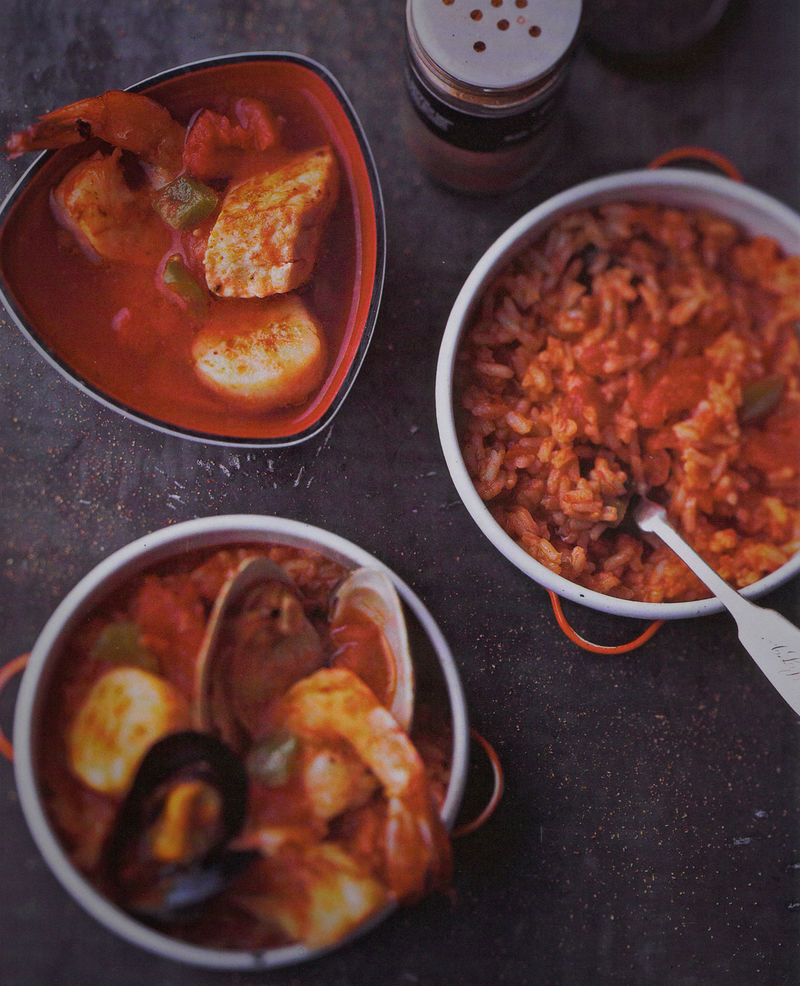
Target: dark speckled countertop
x=649 y=831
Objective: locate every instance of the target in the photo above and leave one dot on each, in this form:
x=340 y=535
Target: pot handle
x=497 y=790
x=576 y=638
x=703 y=154
x=6 y=674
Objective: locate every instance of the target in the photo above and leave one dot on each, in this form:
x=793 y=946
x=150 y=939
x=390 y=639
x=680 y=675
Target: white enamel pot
x=752 y=210
x=432 y=656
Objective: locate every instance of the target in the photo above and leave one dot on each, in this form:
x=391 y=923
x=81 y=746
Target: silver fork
x=771 y=640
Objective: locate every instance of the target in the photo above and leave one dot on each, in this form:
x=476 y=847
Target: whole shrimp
x=331 y=854
x=110 y=218
x=333 y=704
x=127 y=120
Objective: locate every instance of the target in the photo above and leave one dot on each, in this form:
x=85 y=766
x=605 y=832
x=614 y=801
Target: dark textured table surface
x=649 y=830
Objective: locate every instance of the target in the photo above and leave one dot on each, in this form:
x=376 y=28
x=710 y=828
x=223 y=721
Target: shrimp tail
x=128 y=120
x=18 y=143
x=418 y=854
x=60 y=128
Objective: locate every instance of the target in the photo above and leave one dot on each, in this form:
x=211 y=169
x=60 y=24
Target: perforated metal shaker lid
x=494 y=45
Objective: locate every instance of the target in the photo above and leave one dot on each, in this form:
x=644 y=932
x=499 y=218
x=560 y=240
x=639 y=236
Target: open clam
x=366 y=604
x=257 y=644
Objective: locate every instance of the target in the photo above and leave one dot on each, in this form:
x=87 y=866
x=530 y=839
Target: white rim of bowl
x=143 y=552
x=753 y=210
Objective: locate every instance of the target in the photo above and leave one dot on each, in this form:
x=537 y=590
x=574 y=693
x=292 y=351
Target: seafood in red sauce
x=203 y=256
x=220 y=766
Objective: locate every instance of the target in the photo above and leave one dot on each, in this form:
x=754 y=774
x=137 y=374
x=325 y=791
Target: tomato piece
x=173 y=621
x=583 y=393
x=216 y=144
x=680 y=388
x=766 y=448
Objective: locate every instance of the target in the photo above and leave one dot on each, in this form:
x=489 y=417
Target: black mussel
x=170 y=850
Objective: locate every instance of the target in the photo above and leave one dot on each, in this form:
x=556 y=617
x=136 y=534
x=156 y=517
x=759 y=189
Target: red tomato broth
x=72 y=312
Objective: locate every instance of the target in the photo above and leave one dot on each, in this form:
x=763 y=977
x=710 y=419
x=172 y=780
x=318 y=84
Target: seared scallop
x=263 y=355
x=267 y=235
x=124 y=713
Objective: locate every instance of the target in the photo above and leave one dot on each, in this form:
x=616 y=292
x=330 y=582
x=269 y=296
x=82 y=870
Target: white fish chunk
x=268 y=232
x=109 y=219
x=324 y=893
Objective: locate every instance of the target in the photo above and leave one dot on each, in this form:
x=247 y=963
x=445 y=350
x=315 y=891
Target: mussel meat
x=258 y=642
x=169 y=849
x=366 y=604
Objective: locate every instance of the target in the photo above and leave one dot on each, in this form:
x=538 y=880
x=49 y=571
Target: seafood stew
x=221 y=760
x=232 y=293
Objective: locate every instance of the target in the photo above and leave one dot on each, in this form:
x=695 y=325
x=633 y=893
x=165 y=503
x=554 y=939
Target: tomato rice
x=639 y=348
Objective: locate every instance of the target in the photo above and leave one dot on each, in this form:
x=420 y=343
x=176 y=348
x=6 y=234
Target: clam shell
x=220 y=693
x=371 y=593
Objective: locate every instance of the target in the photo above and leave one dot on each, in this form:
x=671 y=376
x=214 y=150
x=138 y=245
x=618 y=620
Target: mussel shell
x=164 y=891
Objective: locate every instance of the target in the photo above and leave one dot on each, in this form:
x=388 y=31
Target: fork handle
x=771 y=640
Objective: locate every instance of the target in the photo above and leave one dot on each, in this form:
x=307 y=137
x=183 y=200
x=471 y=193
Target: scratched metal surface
x=649 y=831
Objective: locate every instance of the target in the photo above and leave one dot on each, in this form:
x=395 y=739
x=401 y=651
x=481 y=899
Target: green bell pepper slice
x=185 y=202
x=179 y=280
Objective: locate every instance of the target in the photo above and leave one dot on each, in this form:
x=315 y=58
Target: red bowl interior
x=53 y=299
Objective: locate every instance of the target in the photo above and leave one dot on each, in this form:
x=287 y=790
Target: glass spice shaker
x=484 y=79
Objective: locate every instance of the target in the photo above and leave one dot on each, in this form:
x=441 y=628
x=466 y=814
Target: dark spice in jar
x=484 y=80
